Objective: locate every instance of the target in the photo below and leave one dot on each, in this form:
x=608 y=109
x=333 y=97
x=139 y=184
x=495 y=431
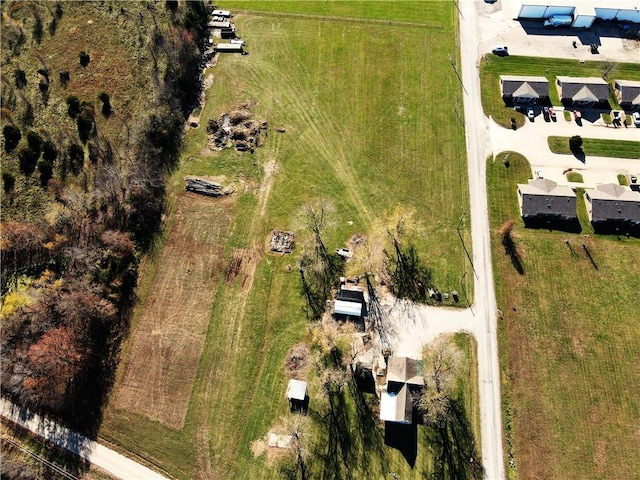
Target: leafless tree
x=442 y=364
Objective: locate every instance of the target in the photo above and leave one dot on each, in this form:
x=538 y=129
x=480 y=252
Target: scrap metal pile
x=236 y=129
x=281 y=241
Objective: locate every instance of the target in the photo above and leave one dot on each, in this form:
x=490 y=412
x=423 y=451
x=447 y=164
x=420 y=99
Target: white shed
x=297 y=390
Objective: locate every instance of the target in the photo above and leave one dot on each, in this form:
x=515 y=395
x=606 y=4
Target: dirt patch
x=169 y=338
x=258 y=447
x=273 y=454
x=243 y=265
x=296 y=361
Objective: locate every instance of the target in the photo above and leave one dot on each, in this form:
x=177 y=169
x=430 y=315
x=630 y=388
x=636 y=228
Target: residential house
x=628 y=94
x=614 y=208
x=543 y=200
x=582 y=91
x=518 y=90
x=404 y=383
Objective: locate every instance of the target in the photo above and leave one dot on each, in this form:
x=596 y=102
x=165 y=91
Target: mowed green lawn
x=368 y=113
x=597 y=147
x=570 y=342
x=493 y=66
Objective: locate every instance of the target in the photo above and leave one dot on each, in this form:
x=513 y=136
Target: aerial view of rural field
x=320 y=240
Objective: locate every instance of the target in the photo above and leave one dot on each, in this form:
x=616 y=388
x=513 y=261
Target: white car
x=531 y=114
x=636 y=118
x=500 y=51
x=538 y=174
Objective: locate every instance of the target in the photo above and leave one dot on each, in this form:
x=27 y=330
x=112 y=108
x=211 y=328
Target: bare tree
x=299 y=427
x=409 y=278
x=442 y=364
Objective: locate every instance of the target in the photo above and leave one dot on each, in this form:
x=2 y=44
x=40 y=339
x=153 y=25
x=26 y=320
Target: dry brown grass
x=169 y=339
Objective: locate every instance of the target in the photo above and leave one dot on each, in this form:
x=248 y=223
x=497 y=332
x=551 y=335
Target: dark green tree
x=12 y=137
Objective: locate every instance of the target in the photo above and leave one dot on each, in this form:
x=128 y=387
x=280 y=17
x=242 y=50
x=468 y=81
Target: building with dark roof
x=543 y=200
x=516 y=89
x=404 y=382
x=582 y=91
x=628 y=94
x=614 y=208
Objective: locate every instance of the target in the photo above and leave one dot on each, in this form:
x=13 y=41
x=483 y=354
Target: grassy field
x=570 y=344
x=597 y=147
x=493 y=66
x=360 y=106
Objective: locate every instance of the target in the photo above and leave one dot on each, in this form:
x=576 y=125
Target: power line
x=41 y=459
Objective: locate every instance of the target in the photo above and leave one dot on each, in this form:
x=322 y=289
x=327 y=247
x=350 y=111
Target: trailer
x=222 y=13
x=228 y=48
x=219 y=25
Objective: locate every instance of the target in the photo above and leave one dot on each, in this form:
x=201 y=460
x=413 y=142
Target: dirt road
x=99 y=455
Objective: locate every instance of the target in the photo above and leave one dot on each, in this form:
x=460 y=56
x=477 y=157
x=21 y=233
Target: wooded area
x=83 y=184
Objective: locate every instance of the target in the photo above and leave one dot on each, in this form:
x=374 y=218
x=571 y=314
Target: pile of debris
x=281 y=241
x=205 y=187
x=236 y=129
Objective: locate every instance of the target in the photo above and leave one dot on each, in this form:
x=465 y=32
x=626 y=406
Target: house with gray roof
x=543 y=200
x=582 y=91
x=404 y=382
x=518 y=89
x=628 y=94
x=612 y=207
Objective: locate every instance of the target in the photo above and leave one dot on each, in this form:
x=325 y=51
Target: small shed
x=214 y=24
x=297 y=395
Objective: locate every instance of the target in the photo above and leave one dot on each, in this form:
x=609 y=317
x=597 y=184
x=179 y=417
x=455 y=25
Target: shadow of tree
x=410 y=277
x=453 y=447
x=511 y=249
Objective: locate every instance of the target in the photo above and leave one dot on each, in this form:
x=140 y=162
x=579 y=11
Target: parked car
x=531 y=114
x=552 y=113
x=577 y=115
x=636 y=118
x=500 y=51
x=538 y=174
x=634 y=179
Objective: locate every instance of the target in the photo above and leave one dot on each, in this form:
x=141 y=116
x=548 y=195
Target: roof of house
x=544 y=197
x=296 y=390
x=396 y=407
x=352 y=309
x=404 y=370
x=629 y=91
x=584 y=88
x=614 y=202
x=523 y=86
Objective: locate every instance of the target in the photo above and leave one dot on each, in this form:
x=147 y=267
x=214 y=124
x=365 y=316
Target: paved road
x=99 y=455
x=485 y=301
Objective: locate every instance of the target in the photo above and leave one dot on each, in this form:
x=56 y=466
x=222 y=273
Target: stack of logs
x=204 y=187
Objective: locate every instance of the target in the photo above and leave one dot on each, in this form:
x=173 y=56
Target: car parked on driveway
x=538 y=174
x=531 y=114
x=636 y=118
x=500 y=51
x=552 y=114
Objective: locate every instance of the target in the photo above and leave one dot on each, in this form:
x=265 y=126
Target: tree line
x=69 y=273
